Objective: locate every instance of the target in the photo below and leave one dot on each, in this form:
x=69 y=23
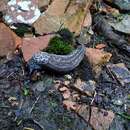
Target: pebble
x=118 y=102
x=19 y=11
x=68 y=77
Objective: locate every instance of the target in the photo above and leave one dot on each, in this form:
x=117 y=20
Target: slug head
x=41 y=58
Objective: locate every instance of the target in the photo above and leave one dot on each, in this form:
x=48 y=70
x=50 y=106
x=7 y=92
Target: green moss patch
x=58 y=45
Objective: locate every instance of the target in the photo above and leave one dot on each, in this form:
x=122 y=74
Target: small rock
x=71 y=15
x=85 y=87
x=68 y=77
x=120 y=72
x=122 y=4
x=13 y=101
x=118 y=102
x=22 y=12
x=121 y=23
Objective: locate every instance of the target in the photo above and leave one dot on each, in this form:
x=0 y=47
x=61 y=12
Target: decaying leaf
x=99 y=119
x=97 y=58
x=32 y=45
x=8 y=40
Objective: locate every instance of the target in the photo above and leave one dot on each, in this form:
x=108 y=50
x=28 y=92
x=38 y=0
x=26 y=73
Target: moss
x=66 y=35
x=58 y=46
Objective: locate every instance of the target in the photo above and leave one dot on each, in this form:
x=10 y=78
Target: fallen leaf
x=8 y=40
x=31 y=46
x=100 y=119
x=97 y=57
x=100 y=46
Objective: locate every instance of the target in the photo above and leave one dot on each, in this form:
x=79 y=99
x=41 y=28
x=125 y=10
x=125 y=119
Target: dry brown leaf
x=97 y=57
x=99 y=119
x=8 y=40
x=31 y=46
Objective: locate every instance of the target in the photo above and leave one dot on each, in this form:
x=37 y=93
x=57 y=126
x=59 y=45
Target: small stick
x=34 y=104
x=95 y=93
x=37 y=123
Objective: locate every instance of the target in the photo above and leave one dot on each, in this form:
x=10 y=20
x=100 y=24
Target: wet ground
x=38 y=105
x=37 y=108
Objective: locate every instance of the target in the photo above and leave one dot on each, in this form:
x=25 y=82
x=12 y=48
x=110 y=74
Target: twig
x=95 y=93
x=4 y=106
x=37 y=123
x=34 y=104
